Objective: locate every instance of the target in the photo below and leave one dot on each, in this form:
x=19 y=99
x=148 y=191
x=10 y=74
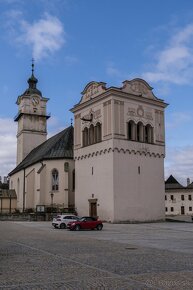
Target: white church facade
x=110 y=165
x=44 y=175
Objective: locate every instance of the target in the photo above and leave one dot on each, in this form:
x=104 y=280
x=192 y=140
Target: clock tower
x=31 y=118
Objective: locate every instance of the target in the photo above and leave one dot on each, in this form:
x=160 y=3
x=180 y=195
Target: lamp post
x=52 y=198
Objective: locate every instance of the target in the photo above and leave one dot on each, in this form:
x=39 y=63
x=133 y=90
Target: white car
x=61 y=221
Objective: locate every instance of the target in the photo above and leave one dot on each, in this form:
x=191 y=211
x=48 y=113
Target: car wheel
x=62 y=226
x=99 y=227
x=77 y=228
x=55 y=226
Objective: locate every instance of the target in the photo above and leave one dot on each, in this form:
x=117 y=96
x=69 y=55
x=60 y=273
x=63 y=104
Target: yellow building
x=8 y=201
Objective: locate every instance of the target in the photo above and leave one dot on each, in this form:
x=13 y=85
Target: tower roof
x=172 y=183
x=32 y=81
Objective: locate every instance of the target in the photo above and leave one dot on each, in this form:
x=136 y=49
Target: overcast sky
x=76 y=41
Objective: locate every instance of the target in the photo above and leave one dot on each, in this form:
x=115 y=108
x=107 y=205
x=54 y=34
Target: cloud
x=174 y=63
x=7 y=146
x=179 y=163
x=44 y=36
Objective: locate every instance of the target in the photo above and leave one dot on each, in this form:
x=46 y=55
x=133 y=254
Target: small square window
x=165 y=197
x=172 y=209
x=182 y=197
x=172 y=197
x=189 y=197
x=190 y=208
x=166 y=209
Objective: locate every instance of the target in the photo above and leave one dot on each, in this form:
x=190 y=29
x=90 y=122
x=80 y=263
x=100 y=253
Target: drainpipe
x=23 y=190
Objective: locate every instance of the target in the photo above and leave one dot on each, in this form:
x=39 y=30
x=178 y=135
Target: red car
x=86 y=223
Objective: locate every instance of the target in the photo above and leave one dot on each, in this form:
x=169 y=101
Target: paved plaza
x=33 y=255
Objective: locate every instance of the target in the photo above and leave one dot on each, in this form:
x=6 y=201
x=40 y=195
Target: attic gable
x=138 y=87
x=92 y=90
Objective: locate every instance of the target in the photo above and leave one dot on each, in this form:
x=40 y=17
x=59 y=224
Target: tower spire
x=32 y=65
x=32 y=81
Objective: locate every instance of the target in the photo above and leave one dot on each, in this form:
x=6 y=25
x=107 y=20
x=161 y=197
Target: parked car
x=86 y=223
x=61 y=221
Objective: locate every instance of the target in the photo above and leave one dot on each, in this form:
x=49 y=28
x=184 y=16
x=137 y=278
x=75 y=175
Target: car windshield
x=82 y=219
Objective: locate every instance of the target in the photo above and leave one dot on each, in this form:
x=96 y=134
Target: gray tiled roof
x=60 y=146
x=172 y=183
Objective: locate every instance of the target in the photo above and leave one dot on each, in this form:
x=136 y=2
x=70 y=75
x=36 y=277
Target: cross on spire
x=32 y=65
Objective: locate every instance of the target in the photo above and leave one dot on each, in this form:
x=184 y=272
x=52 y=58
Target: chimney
x=188 y=181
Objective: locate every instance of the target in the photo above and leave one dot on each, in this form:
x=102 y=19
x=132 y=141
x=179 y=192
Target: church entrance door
x=93 y=207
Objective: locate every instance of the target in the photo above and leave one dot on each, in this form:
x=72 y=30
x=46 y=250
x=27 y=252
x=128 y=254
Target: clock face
x=19 y=100
x=35 y=101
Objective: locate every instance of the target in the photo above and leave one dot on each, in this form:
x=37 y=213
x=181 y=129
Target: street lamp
x=52 y=198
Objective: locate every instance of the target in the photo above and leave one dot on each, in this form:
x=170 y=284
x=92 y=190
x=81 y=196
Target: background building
x=8 y=198
x=178 y=198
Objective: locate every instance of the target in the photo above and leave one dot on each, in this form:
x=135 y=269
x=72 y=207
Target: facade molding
x=119 y=150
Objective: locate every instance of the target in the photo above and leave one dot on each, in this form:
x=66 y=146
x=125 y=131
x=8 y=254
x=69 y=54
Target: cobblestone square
x=33 y=255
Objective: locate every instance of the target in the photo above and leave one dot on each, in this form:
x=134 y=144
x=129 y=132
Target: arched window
x=149 y=130
x=91 y=135
x=146 y=134
x=85 y=137
x=55 y=179
x=140 y=132
x=131 y=131
x=66 y=167
x=97 y=131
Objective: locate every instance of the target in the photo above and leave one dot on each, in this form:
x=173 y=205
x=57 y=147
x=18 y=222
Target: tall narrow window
x=148 y=134
x=91 y=135
x=97 y=133
x=140 y=132
x=55 y=179
x=131 y=131
x=85 y=137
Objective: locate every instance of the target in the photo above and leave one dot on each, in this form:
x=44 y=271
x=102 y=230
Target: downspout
x=23 y=190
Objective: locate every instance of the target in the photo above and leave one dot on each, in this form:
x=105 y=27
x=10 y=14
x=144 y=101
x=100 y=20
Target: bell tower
x=31 y=118
x=119 y=150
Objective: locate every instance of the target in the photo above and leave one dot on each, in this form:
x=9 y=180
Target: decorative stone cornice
x=142 y=151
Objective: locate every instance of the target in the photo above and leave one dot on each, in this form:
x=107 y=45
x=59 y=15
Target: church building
x=44 y=175
x=110 y=165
